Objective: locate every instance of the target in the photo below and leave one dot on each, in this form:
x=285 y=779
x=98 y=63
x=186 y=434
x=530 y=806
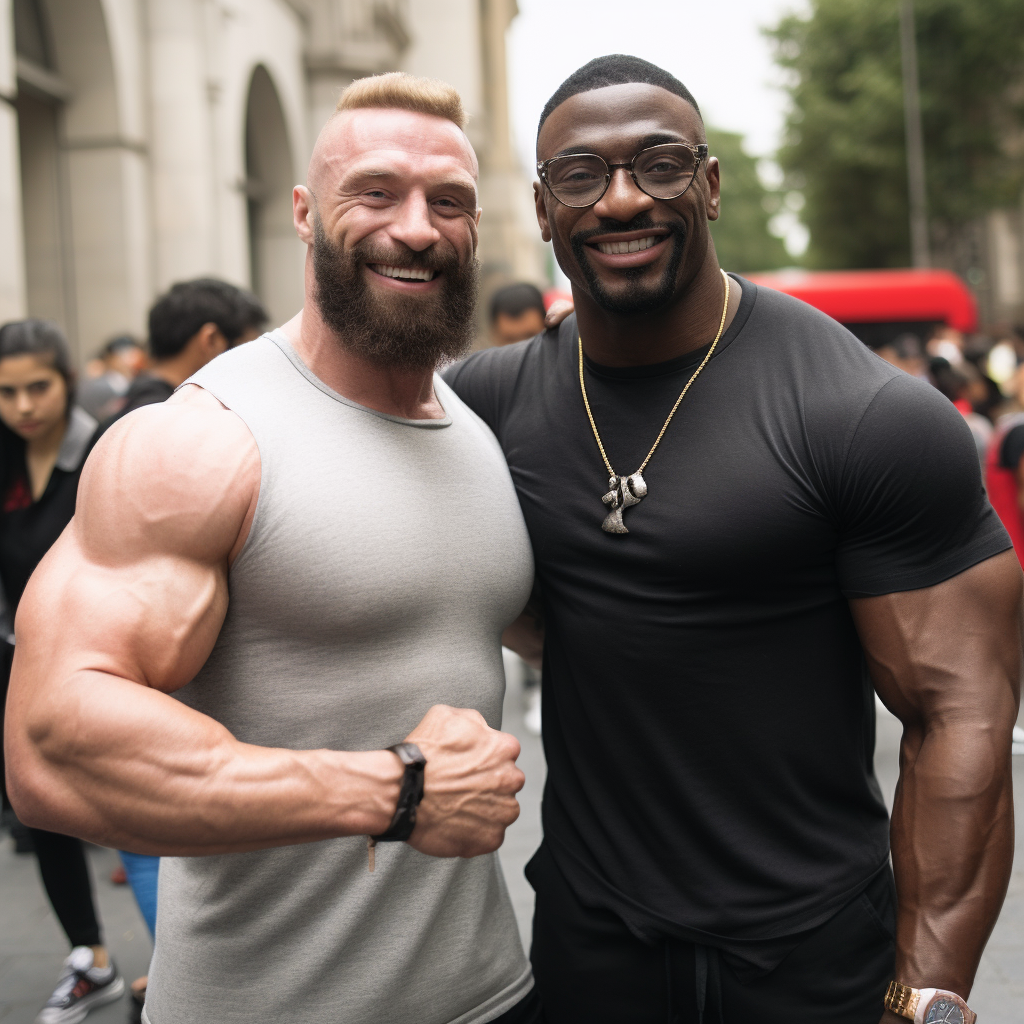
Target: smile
x=404 y=273
x=634 y=245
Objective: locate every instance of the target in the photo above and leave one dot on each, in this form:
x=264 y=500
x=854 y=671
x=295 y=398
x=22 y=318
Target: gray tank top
x=384 y=560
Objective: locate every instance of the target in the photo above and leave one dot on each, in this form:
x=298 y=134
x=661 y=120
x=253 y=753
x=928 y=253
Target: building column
x=181 y=158
x=12 y=250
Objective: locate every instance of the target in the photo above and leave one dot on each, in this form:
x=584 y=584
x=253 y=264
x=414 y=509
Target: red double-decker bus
x=879 y=305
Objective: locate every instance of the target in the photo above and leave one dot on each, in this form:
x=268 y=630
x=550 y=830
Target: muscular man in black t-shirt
x=715 y=841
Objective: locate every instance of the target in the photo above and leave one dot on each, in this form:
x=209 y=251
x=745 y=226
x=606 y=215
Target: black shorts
x=590 y=969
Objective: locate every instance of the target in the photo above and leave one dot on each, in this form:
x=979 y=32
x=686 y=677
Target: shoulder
x=488 y=381
x=178 y=476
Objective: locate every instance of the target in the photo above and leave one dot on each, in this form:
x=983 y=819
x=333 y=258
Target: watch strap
x=409 y=797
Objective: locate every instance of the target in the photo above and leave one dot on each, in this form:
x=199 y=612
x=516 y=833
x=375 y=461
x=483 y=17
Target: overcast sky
x=715 y=48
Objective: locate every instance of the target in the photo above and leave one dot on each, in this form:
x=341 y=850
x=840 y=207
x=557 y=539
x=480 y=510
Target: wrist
x=369 y=789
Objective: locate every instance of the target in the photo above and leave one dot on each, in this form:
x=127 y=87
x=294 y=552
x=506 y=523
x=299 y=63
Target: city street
x=32 y=945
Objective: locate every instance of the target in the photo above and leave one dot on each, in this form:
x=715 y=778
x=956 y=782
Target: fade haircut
x=397 y=90
x=615 y=69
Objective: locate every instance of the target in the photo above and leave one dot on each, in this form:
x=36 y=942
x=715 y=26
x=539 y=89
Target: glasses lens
x=665 y=171
x=577 y=180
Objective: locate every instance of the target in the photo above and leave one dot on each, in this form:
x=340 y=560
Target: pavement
x=32 y=944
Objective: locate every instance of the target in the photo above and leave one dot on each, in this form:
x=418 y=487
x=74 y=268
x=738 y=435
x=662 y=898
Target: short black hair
x=615 y=69
x=178 y=315
x=119 y=344
x=516 y=299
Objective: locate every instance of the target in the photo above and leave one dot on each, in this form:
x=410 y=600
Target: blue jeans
x=142 y=870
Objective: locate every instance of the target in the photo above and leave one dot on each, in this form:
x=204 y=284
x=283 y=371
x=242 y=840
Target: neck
x=688 y=322
x=174 y=371
x=48 y=444
x=395 y=391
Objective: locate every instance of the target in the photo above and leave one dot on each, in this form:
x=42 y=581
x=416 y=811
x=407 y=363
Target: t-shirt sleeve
x=485 y=379
x=911 y=506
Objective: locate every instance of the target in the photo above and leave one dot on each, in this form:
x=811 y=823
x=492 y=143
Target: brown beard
x=414 y=332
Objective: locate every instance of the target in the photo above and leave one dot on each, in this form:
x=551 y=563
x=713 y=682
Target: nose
x=23 y=401
x=413 y=225
x=623 y=200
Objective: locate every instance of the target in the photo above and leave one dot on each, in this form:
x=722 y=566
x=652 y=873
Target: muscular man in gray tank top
x=306 y=556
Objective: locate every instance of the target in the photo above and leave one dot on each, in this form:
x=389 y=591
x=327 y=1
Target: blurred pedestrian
x=120 y=361
x=906 y=352
x=193 y=323
x=44 y=439
x=517 y=313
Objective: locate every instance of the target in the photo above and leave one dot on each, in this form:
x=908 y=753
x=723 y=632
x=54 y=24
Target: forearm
x=952 y=848
x=127 y=766
x=525 y=636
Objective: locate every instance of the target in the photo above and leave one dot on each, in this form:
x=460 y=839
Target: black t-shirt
x=146 y=389
x=708 y=721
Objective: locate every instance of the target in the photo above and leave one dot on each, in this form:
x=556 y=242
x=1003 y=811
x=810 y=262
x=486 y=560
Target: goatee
x=634 y=299
x=386 y=328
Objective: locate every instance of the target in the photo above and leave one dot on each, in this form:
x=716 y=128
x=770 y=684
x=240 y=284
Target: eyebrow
x=452 y=184
x=654 y=139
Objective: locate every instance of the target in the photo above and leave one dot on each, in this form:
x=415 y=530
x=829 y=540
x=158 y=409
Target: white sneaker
x=1018 y=740
x=81 y=987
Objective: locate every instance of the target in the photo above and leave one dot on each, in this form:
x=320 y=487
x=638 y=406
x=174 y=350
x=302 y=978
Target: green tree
x=844 y=144
x=741 y=234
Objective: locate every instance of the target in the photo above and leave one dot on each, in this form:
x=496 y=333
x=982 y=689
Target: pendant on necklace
x=623 y=491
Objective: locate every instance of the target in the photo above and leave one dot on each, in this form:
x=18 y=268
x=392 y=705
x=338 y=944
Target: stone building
x=147 y=141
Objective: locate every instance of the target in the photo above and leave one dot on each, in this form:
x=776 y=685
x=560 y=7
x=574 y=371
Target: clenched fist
x=470 y=785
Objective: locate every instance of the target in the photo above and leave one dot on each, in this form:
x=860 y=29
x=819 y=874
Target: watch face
x=944 y=1011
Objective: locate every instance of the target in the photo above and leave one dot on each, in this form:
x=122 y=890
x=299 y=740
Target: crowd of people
x=267 y=648
x=964 y=370
x=48 y=426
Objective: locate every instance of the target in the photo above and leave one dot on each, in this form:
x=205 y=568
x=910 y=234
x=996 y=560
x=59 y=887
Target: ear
x=210 y=341
x=542 y=213
x=302 y=213
x=713 y=174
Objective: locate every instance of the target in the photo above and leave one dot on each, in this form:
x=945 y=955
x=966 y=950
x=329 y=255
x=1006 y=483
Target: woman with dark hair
x=44 y=439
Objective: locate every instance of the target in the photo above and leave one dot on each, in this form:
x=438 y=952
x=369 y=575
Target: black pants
x=590 y=969
x=66 y=880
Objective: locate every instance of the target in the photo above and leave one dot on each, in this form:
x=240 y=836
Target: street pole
x=919 y=247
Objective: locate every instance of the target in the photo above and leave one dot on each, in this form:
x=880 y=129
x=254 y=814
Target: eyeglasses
x=663 y=172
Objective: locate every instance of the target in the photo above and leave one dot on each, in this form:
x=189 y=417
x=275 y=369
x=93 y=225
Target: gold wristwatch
x=928 y=1005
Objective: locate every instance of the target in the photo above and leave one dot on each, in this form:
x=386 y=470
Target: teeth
x=406 y=273
x=638 y=244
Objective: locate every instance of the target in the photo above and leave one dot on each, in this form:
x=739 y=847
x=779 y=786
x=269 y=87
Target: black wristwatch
x=409 y=797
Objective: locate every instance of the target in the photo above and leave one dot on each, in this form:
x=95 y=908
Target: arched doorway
x=275 y=253
x=85 y=261
x=46 y=227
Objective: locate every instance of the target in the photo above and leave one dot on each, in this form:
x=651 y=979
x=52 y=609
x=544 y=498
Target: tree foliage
x=844 y=144
x=742 y=238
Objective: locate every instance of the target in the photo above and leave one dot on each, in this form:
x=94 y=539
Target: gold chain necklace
x=626 y=491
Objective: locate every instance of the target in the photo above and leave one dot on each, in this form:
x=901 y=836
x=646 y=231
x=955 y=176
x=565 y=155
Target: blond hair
x=397 y=90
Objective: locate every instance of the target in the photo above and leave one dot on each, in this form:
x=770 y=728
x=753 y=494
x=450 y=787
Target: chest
x=365 y=526
x=735 y=495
